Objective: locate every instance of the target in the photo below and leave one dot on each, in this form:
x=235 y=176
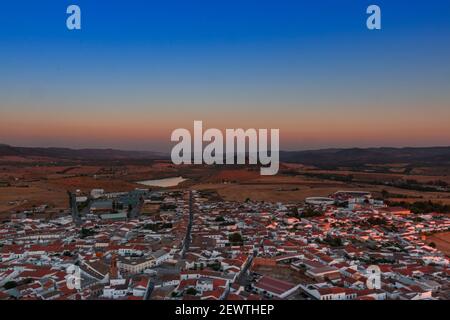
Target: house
x=216 y=294
x=323 y=273
x=325 y=292
x=272 y=287
x=139 y=287
x=139 y=264
x=101 y=206
x=117 y=289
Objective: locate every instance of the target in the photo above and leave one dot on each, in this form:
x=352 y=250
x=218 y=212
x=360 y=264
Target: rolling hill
x=320 y=158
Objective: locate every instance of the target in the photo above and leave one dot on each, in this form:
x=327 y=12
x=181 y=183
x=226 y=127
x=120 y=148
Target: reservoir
x=164 y=183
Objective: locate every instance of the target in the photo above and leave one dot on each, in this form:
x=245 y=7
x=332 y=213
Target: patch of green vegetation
x=328 y=176
x=215 y=266
x=311 y=212
x=191 y=291
x=157 y=226
x=423 y=207
x=10 y=285
x=168 y=207
x=380 y=261
x=373 y=221
x=236 y=239
x=87 y=232
x=333 y=241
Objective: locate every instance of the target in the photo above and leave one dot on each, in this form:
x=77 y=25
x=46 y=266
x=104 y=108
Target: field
x=282 y=272
x=294 y=188
x=442 y=241
x=24 y=185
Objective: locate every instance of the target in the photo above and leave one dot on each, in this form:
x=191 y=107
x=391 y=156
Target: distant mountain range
x=361 y=156
x=320 y=158
x=77 y=154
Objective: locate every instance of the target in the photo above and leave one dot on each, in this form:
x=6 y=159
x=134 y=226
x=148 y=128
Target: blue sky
x=231 y=63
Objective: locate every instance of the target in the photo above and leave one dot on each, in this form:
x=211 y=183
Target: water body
x=164 y=183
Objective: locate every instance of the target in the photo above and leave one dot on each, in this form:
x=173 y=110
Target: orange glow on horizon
x=302 y=129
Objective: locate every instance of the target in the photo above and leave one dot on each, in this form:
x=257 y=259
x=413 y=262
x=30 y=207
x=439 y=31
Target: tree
x=423 y=207
x=333 y=241
x=235 y=238
x=432 y=244
x=10 y=285
x=311 y=212
x=376 y=221
x=191 y=291
x=87 y=232
x=215 y=266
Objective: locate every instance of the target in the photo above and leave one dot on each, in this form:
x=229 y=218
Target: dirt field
x=37 y=185
x=393 y=175
x=287 y=188
x=282 y=272
x=33 y=185
x=442 y=241
x=270 y=192
x=23 y=198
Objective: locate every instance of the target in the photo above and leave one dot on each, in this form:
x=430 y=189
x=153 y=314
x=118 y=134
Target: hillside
x=322 y=158
x=77 y=154
x=359 y=156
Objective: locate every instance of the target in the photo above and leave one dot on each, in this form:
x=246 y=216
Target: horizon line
x=168 y=152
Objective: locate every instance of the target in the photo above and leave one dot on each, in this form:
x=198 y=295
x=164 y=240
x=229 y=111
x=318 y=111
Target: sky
x=137 y=70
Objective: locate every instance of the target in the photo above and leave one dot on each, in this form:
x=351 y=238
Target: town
x=190 y=245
